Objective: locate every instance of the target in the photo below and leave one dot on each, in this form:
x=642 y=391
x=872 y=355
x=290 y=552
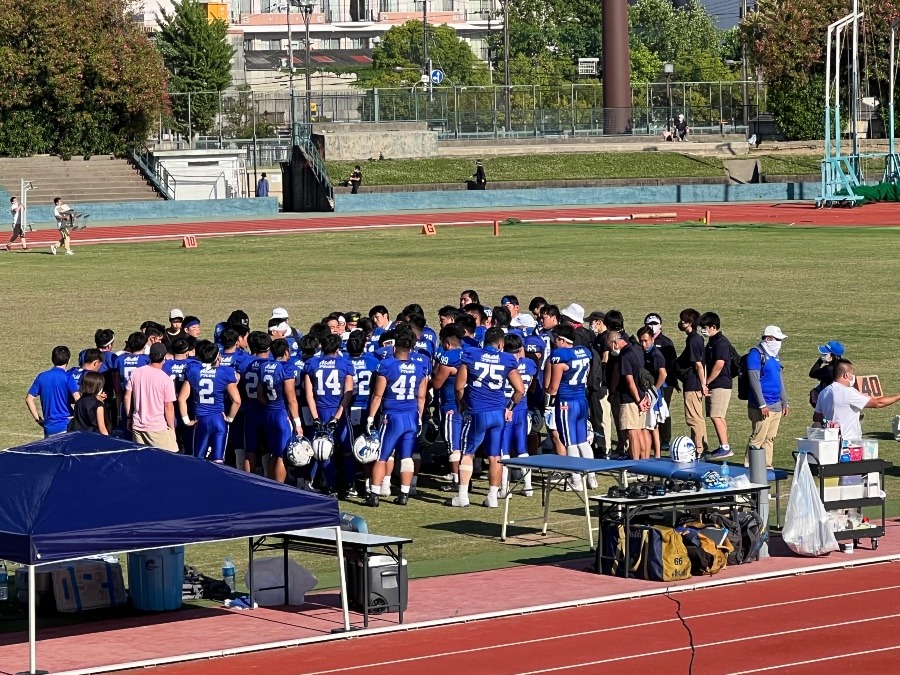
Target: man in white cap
x=175 y=330
x=767 y=401
x=574 y=316
x=292 y=335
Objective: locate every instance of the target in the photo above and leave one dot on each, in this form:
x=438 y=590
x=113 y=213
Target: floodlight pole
x=506 y=82
x=307 y=8
x=291 y=69
x=854 y=93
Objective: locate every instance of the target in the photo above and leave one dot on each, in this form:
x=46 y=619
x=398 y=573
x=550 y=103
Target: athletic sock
x=375 y=490
x=492 y=492
x=464 y=493
x=405 y=489
x=586 y=450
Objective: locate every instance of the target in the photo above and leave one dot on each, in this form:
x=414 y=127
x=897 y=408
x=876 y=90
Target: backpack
x=734 y=362
x=656 y=553
x=644 y=380
x=744 y=375
x=705 y=556
x=734 y=539
x=682 y=369
x=746 y=535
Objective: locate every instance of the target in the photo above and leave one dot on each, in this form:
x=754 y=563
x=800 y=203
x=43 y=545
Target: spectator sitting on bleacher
x=681 y=129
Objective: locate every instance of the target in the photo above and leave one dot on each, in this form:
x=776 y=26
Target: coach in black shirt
x=717 y=359
x=694 y=385
x=633 y=402
x=667 y=348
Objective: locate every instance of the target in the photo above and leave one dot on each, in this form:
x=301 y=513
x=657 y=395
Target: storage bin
x=870 y=448
x=853 y=487
x=833 y=494
x=155 y=579
x=822 y=434
x=825 y=451
x=388 y=584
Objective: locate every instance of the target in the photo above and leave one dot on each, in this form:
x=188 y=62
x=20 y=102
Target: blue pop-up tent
x=82 y=494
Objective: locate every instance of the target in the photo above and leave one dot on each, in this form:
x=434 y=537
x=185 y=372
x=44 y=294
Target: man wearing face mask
x=694 y=386
x=823 y=369
x=717 y=359
x=767 y=403
x=667 y=348
x=840 y=402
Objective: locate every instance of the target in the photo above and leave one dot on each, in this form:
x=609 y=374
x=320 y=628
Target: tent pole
x=250 y=569
x=342 y=572
x=32 y=625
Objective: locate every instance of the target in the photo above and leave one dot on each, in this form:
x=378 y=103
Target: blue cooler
x=155 y=579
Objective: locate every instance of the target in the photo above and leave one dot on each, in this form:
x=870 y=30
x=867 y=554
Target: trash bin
x=388 y=584
x=155 y=579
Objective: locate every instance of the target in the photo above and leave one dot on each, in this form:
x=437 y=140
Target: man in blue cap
x=823 y=369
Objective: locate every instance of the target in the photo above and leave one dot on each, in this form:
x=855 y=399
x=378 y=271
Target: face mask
x=851 y=380
x=704 y=332
x=681 y=325
x=615 y=351
x=648 y=349
x=656 y=328
x=772 y=348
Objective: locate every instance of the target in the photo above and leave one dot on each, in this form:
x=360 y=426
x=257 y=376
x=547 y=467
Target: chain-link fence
x=211 y=119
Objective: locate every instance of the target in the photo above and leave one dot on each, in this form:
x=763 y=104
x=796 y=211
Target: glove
x=370 y=424
x=331 y=425
x=317 y=423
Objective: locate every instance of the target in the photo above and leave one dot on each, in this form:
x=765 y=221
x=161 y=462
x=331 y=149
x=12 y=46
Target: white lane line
x=719 y=643
x=820 y=660
x=602 y=630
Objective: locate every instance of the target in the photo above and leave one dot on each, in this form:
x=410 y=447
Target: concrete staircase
x=77 y=181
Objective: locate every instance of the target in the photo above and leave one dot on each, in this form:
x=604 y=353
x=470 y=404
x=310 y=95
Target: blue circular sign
x=437 y=76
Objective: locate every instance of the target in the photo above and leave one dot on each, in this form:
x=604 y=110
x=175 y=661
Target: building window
x=359 y=43
x=389 y=5
x=334 y=43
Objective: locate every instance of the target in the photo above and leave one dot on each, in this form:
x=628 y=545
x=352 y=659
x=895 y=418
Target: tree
x=197 y=54
x=401 y=48
x=684 y=36
x=74 y=90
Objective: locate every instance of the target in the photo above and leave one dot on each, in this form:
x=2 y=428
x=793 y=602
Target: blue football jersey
x=234 y=359
x=446 y=394
x=127 y=364
x=76 y=374
x=429 y=335
x=573 y=384
x=402 y=381
x=327 y=374
x=208 y=385
x=250 y=379
x=272 y=375
x=527 y=371
x=424 y=346
x=364 y=366
x=488 y=370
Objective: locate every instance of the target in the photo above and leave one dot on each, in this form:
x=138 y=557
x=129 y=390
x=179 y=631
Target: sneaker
x=352 y=492
x=722 y=453
x=574 y=483
x=372 y=500
x=402 y=499
x=592 y=481
x=70 y=252
x=412 y=491
x=53 y=250
x=456 y=501
x=24 y=247
x=450 y=487
x=8 y=248
x=528 y=493
x=490 y=501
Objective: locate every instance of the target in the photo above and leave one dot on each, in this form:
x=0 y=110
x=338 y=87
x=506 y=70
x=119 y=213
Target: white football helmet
x=683 y=450
x=322 y=446
x=367 y=447
x=299 y=451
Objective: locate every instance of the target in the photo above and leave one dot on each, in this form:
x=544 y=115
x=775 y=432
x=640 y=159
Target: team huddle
x=342 y=407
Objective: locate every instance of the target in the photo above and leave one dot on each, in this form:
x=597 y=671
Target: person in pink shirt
x=150 y=403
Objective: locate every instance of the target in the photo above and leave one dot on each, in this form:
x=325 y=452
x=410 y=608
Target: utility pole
x=307 y=9
x=425 y=70
x=744 y=68
x=506 y=82
x=291 y=69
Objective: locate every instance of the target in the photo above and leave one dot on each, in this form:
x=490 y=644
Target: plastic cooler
x=155 y=578
x=388 y=584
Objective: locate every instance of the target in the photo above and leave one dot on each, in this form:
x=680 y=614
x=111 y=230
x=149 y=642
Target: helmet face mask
x=299 y=451
x=430 y=432
x=683 y=450
x=366 y=448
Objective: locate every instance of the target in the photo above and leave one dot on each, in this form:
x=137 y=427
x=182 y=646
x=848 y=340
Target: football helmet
x=322 y=446
x=299 y=451
x=683 y=450
x=367 y=447
x=430 y=432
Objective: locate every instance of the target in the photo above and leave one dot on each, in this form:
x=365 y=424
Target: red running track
x=791 y=213
x=802 y=624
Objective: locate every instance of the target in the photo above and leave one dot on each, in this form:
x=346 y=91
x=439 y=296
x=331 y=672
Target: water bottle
x=228 y=573
x=4 y=583
x=725 y=472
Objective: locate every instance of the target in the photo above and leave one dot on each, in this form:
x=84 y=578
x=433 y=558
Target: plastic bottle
x=725 y=470
x=229 y=573
x=4 y=583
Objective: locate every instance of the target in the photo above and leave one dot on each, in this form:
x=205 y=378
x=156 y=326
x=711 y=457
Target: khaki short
x=157 y=439
x=717 y=403
x=631 y=417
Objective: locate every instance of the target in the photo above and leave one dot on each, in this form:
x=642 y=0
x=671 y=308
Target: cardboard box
x=827 y=452
x=88 y=585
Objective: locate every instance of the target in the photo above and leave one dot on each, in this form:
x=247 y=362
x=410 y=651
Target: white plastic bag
x=807 y=528
x=269 y=572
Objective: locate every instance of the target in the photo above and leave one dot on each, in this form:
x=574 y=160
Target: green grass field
x=817 y=284
x=559 y=166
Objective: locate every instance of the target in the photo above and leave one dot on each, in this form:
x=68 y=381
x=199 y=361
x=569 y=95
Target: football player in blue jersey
x=566 y=395
x=208 y=384
x=423 y=345
x=232 y=342
x=444 y=385
x=237 y=319
x=175 y=368
x=308 y=346
x=329 y=393
x=399 y=392
x=468 y=297
x=480 y=395
x=381 y=319
x=91 y=361
x=364 y=366
x=252 y=410
x=515 y=432
x=550 y=319
x=477 y=312
x=278 y=394
x=467 y=323
x=447 y=315
x=132 y=358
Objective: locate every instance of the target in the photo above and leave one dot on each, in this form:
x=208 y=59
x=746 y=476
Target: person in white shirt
x=18 y=217
x=65 y=221
x=840 y=402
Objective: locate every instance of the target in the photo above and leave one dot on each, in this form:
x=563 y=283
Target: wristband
x=510 y=404
x=229 y=419
x=297 y=422
x=185 y=419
